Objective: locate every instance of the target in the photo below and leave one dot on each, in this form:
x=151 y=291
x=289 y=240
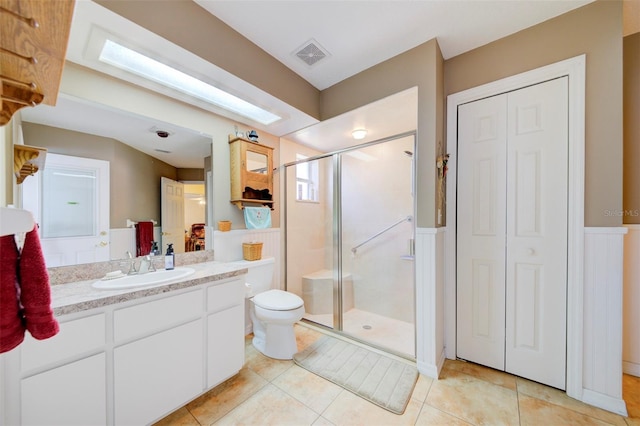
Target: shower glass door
x=309 y=236
x=349 y=241
x=377 y=245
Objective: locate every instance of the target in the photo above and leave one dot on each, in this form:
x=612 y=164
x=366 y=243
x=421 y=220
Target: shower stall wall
x=349 y=241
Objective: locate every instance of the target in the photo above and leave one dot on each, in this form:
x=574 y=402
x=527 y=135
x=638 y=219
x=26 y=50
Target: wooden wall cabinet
x=251 y=172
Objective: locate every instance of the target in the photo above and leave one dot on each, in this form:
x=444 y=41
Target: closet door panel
x=536 y=259
x=481 y=231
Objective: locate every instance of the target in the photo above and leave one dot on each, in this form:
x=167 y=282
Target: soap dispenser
x=169 y=258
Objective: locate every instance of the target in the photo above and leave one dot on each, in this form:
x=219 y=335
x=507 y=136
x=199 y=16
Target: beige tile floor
x=271 y=392
x=375 y=329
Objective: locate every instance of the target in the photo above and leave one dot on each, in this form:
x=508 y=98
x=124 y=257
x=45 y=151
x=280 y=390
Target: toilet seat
x=278 y=300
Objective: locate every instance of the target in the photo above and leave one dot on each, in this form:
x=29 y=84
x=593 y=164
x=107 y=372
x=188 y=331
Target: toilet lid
x=277 y=300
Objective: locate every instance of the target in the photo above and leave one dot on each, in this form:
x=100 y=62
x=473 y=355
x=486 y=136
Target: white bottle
x=169 y=258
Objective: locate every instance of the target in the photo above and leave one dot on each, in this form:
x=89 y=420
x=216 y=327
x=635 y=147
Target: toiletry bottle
x=169 y=258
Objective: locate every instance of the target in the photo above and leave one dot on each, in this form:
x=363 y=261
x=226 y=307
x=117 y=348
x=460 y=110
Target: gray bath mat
x=381 y=379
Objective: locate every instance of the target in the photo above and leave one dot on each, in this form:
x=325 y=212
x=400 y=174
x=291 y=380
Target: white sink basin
x=161 y=276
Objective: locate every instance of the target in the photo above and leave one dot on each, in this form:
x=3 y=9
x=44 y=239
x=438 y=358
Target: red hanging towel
x=25 y=294
x=144 y=237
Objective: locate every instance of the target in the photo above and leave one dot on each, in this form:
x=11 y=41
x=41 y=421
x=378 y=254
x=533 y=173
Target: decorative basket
x=224 y=225
x=252 y=251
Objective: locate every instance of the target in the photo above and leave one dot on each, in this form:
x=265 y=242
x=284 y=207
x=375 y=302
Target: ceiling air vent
x=311 y=52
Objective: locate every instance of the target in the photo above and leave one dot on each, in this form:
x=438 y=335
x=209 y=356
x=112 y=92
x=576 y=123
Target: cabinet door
x=74 y=394
x=225 y=344
x=157 y=374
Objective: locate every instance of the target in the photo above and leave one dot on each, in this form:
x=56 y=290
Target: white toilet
x=272 y=312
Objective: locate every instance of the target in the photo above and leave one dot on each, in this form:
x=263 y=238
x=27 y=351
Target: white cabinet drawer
x=223 y=296
x=75 y=337
x=150 y=317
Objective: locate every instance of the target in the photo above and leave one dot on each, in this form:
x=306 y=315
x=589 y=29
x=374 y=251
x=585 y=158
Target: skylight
x=139 y=64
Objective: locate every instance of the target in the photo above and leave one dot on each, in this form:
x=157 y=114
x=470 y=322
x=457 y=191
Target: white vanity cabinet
x=225 y=334
x=127 y=363
x=51 y=397
x=56 y=373
x=164 y=368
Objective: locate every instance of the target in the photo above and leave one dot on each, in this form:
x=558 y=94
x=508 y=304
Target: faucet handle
x=149 y=259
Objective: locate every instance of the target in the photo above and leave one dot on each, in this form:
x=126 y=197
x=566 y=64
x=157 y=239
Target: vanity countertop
x=80 y=296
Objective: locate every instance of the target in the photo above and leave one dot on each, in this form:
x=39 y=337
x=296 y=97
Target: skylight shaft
x=139 y=64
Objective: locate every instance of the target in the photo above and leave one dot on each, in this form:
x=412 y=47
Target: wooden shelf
x=27 y=160
x=242 y=201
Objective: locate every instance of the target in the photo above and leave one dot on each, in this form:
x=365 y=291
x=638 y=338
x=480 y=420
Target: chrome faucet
x=146 y=265
x=132 y=264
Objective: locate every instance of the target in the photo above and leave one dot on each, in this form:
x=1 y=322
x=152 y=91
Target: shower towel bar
x=406 y=219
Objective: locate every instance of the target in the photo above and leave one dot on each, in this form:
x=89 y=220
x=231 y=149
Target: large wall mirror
x=138 y=150
x=257 y=162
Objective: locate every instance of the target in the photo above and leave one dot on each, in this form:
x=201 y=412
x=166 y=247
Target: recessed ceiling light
x=359 y=134
x=134 y=62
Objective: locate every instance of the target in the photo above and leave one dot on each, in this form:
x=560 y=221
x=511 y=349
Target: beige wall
x=631 y=167
x=190 y=174
x=595 y=30
x=134 y=176
x=218 y=43
x=421 y=67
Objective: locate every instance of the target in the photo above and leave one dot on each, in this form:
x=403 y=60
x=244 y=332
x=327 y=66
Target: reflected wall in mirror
x=82 y=129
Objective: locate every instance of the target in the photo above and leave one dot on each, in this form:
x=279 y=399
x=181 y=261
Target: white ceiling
x=357 y=35
x=360 y=34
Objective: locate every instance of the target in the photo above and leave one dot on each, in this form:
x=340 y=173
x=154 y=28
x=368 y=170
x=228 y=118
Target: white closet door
x=512 y=232
x=481 y=231
x=537 y=166
x=172 y=211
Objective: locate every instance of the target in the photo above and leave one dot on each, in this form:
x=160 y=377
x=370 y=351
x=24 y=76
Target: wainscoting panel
x=602 y=350
x=124 y=239
x=227 y=246
x=631 y=298
x=430 y=266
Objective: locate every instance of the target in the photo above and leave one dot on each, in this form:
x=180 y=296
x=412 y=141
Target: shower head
x=408 y=154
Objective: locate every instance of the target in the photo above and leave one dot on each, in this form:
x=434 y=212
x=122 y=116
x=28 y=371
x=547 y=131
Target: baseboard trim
x=631 y=368
x=429 y=370
x=606 y=402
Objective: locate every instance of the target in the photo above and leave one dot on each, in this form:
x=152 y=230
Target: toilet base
x=281 y=343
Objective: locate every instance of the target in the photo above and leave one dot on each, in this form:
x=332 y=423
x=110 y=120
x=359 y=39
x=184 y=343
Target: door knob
x=103 y=244
x=531 y=252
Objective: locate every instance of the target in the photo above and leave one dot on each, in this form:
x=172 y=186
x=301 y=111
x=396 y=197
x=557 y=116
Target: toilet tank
x=260 y=273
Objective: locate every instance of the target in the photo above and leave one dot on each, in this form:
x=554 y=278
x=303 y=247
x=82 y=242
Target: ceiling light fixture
x=359 y=134
x=134 y=62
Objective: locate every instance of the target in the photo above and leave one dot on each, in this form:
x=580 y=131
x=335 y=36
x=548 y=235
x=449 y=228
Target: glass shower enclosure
x=349 y=241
